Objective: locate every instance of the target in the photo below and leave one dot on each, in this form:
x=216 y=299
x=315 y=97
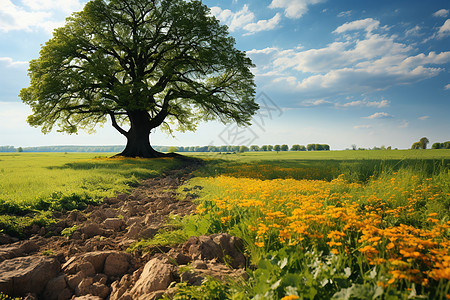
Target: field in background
x=332 y=155
x=323 y=165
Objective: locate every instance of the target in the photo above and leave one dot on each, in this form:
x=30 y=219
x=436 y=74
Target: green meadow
x=357 y=165
x=316 y=225
x=33 y=184
x=326 y=225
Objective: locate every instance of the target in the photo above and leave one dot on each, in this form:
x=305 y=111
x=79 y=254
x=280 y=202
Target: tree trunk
x=138 y=137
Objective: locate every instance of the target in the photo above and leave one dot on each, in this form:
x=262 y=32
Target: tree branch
x=115 y=125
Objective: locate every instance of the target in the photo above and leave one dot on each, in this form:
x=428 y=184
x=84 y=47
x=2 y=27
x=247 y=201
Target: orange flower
x=259 y=244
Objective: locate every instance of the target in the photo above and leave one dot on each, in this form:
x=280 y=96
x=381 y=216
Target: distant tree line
x=8 y=149
x=374 y=148
x=63 y=149
x=118 y=148
x=422 y=144
x=445 y=145
x=252 y=148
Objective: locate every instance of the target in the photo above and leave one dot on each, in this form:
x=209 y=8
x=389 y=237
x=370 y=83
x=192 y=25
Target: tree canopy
x=145 y=63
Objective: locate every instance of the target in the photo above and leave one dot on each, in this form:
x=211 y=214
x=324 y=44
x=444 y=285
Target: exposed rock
x=74 y=265
x=65 y=294
x=88 y=287
x=152 y=296
x=203 y=248
x=101 y=278
x=83 y=286
x=216 y=246
x=117 y=264
x=232 y=247
x=54 y=287
x=129 y=209
x=22 y=275
x=134 y=220
x=101 y=290
x=91 y=230
x=134 y=231
x=87 y=268
x=148 y=232
x=120 y=287
x=179 y=257
x=102 y=215
x=157 y=275
x=74 y=280
x=213 y=269
x=95 y=286
x=97 y=259
x=18 y=249
x=115 y=224
x=87 y=297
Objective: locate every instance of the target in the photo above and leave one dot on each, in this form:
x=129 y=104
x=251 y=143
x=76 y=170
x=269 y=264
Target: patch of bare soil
x=93 y=264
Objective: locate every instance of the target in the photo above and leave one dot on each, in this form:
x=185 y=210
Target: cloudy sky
x=340 y=72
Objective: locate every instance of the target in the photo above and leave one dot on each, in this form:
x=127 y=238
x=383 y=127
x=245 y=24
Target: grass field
x=324 y=165
x=316 y=225
x=32 y=184
x=334 y=225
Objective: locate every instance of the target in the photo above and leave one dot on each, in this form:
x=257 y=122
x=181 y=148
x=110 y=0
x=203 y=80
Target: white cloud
x=267 y=50
x=444 y=30
x=234 y=20
x=66 y=6
x=361 y=63
x=380 y=104
x=35 y=14
x=368 y=25
x=415 y=31
x=441 y=13
x=244 y=19
x=263 y=25
x=447 y=87
x=8 y=62
x=423 y=118
x=294 y=9
x=379 y=115
x=362 y=126
x=347 y=13
x=13 y=17
x=319 y=102
x=365 y=103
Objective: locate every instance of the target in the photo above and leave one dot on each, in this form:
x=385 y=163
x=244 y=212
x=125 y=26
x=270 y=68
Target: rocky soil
x=93 y=264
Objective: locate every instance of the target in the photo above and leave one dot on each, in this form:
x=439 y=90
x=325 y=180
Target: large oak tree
x=144 y=64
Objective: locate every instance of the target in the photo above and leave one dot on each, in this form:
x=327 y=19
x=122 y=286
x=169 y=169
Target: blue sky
x=340 y=72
